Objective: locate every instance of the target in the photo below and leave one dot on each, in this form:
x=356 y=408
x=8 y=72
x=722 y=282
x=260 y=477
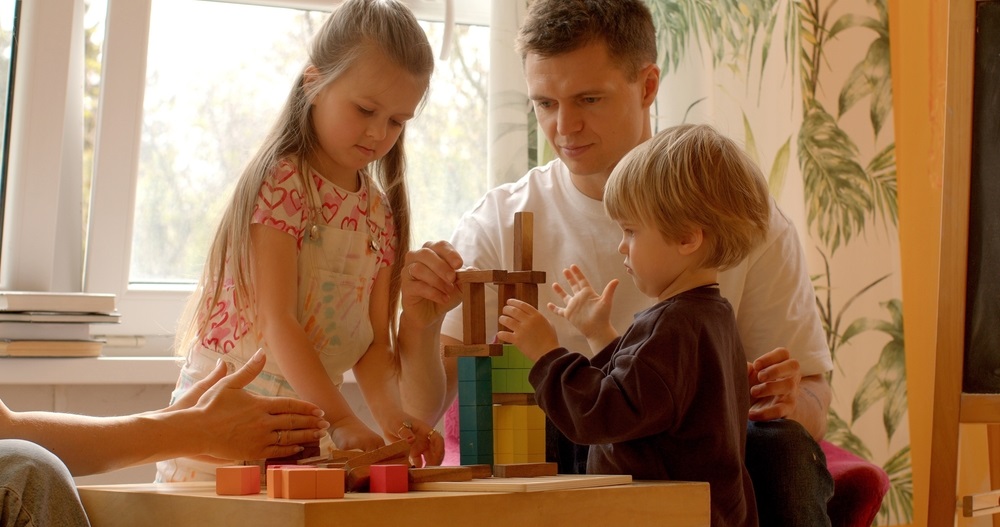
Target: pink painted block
x=389 y=478
x=237 y=480
x=330 y=483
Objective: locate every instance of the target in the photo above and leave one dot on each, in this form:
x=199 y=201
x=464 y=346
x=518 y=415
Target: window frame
x=33 y=262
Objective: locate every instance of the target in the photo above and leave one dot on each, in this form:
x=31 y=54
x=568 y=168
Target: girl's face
x=358 y=117
x=660 y=268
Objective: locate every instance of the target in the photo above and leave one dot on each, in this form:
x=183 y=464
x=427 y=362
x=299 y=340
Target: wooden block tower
x=498 y=420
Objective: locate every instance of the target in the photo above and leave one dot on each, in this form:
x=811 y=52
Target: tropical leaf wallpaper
x=806 y=85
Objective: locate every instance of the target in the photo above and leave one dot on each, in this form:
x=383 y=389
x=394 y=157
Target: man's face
x=590 y=112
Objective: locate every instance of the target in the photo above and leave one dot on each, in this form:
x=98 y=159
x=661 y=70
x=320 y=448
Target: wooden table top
x=539 y=502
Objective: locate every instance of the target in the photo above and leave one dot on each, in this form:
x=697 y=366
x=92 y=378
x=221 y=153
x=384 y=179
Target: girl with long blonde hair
x=306 y=261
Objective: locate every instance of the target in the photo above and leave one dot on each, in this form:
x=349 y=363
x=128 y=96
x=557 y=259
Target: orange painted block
x=330 y=483
x=299 y=484
x=274 y=481
x=237 y=480
x=389 y=478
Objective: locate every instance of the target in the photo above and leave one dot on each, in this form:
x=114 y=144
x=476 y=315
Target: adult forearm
x=422 y=382
x=91 y=445
x=812 y=405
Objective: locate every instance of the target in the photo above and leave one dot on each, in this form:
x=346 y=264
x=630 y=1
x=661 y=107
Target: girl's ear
x=691 y=241
x=309 y=76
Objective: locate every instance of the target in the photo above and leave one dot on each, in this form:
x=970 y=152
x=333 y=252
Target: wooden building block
x=513 y=398
x=525 y=470
x=298 y=484
x=474 y=350
x=330 y=483
x=473 y=313
x=481 y=276
x=481 y=471
x=389 y=478
x=524 y=277
x=426 y=474
x=524 y=227
x=393 y=451
x=237 y=480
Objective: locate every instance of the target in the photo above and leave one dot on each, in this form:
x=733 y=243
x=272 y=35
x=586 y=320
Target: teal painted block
x=474 y=418
x=476 y=442
x=474 y=368
x=475 y=393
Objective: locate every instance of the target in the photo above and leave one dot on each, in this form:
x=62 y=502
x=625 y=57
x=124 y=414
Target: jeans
x=788 y=470
x=36 y=488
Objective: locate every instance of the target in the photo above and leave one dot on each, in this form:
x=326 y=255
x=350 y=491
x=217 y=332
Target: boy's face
x=591 y=114
x=659 y=267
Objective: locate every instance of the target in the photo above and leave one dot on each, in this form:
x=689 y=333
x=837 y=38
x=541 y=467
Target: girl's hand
x=429 y=287
x=426 y=443
x=528 y=329
x=588 y=312
x=350 y=433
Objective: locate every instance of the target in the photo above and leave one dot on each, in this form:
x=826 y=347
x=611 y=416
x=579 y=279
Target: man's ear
x=691 y=241
x=650 y=78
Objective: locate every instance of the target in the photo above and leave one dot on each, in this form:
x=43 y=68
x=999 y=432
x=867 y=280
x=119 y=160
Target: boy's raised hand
x=528 y=329
x=589 y=312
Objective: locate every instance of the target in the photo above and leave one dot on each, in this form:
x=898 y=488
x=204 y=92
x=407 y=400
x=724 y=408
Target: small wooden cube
x=389 y=478
x=329 y=483
x=299 y=484
x=237 y=480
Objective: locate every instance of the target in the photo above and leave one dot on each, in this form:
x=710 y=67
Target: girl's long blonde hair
x=356 y=25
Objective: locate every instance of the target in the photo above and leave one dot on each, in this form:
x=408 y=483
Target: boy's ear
x=691 y=241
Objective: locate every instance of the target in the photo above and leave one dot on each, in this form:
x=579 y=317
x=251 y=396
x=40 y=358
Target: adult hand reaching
x=428 y=283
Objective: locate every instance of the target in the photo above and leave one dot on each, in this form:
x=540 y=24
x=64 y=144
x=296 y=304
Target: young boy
x=668 y=399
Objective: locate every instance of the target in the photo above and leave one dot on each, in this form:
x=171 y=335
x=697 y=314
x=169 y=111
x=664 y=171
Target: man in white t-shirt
x=592 y=77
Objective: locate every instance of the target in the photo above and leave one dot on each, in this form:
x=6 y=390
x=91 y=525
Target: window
x=8 y=22
x=182 y=95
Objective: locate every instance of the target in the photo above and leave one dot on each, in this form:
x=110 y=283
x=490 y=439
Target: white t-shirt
x=770 y=291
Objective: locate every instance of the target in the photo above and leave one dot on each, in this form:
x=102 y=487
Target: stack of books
x=39 y=324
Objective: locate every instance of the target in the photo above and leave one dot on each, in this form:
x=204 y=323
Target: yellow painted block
x=504 y=442
x=536 y=418
x=536 y=442
x=503 y=418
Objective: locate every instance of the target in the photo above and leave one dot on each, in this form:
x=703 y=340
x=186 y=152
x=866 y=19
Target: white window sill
x=95 y=371
x=89 y=370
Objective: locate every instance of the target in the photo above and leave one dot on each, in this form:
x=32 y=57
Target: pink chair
x=858 y=487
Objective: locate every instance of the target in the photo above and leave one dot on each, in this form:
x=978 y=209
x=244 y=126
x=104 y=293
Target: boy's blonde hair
x=354 y=27
x=692 y=176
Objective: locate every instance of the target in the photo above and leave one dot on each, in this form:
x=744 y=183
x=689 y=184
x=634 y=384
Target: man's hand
x=774 y=385
x=429 y=287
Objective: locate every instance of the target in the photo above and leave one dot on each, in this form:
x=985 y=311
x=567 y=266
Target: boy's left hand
x=529 y=330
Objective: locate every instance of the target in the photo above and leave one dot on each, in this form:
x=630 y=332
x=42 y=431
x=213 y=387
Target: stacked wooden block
x=498 y=421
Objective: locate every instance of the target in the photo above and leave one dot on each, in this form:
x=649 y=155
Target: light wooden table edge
x=641 y=503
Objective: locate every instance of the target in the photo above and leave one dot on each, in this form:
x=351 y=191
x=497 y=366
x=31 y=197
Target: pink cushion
x=858 y=487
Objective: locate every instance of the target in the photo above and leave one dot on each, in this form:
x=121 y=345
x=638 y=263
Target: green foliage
x=897 y=505
x=835 y=184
